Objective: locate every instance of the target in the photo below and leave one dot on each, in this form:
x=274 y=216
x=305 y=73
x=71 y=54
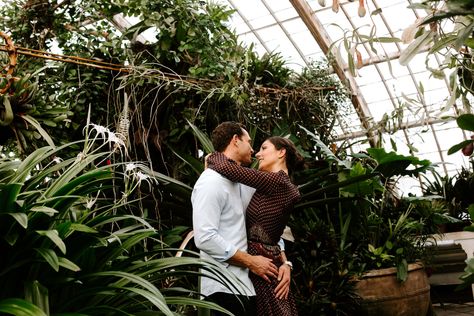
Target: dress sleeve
x=263 y=181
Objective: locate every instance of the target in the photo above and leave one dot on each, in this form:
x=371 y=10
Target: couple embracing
x=240 y=213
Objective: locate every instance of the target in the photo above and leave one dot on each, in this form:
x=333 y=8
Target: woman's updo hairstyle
x=294 y=160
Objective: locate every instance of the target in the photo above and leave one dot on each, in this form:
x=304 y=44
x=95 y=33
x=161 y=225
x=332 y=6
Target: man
x=219 y=224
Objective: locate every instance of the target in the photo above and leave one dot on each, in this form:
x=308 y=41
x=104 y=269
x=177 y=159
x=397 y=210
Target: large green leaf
x=204 y=140
x=360 y=187
x=336 y=186
x=71 y=173
x=328 y=154
x=11 y=235
x=391 y=163
x=459 y=146
x=7 y=169
x=48 y=171
x=216 y=271
x=53 y=235
x=443 y=42
x=38 y=127
x=83 y=228
x=126 y=278
x=191 y=161
x=463 y=34
x=182 y=301
x=30 y=162
x=129 y=242
x=50 y=256
x=466 y=122
x=37 y=294
x=415 y=47
x=8 y=195
x=153 y=297
x=85 y=178
x=20 y=307
x=68 y=264
x=21 y=218
x=147 y=290
x=44 y=209
x=99 y=220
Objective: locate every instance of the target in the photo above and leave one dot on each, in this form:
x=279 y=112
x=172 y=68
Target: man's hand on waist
x=259 y=265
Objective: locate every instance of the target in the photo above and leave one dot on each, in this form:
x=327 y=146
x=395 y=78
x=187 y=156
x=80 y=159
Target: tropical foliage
x=175 y=76
x=351 y=220
x=74 y=238
x=447 y=33
x=89 y=233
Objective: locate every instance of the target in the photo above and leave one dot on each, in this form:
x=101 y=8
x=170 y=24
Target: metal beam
x=404 y=126
x=286 y=32
x=322 y=38
x=249 y=25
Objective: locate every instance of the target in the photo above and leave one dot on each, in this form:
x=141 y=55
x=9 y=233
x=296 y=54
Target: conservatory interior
x=106 y=115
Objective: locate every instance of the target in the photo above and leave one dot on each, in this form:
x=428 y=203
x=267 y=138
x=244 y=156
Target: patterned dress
x=266 y=218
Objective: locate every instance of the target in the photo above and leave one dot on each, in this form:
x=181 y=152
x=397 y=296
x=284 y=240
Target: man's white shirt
x=219 y=227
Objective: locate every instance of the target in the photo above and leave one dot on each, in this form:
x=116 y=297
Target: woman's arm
x=261 y=180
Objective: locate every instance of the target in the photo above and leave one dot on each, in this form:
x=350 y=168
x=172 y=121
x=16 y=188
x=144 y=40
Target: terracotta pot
x=383 y=294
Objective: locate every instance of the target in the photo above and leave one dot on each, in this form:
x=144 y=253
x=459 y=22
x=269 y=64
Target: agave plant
x=71 y=244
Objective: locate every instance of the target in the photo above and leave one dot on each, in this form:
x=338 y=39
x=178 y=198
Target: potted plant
x=351 y=222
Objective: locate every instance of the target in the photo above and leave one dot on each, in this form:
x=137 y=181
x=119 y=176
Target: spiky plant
x=71 y=244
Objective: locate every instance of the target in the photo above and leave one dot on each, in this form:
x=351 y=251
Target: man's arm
x=207 y=205
x=259 y=265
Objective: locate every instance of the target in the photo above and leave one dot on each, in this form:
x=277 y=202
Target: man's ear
x=235 y=139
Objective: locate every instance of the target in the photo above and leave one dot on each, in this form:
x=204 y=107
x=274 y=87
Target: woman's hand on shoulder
x=205 y=160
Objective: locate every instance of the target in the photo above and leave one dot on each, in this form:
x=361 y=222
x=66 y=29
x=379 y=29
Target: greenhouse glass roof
x=303 y=31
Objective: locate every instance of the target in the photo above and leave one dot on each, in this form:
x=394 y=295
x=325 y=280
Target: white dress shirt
x=219 y=227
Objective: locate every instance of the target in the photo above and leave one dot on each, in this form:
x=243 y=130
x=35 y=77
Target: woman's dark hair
x=294 y=160
x=223 y=133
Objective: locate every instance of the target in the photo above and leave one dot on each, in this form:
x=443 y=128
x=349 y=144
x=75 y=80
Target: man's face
x=244 y=149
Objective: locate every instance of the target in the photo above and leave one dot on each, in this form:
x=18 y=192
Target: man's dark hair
x=223 y=133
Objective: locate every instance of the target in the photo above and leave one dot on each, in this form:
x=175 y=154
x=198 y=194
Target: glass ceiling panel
x=286 y=14
x=309 y=46
x=409 y=185
x=454 y=163
x=393 y=69
x=277 y=41
x=239 y=25
x=380 y=108
x=254 y=12
x=250 y=38
x=417 y=64
x=384 y=85
x=272 y=33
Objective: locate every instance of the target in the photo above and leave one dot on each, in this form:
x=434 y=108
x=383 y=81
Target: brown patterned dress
x=267 y=216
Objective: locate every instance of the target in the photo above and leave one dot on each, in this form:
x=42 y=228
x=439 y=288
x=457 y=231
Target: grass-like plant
x=71 y=242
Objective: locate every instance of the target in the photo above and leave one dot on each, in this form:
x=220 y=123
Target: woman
x=267 y=214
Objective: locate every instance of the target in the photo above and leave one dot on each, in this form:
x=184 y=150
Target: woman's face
x=269 y=156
